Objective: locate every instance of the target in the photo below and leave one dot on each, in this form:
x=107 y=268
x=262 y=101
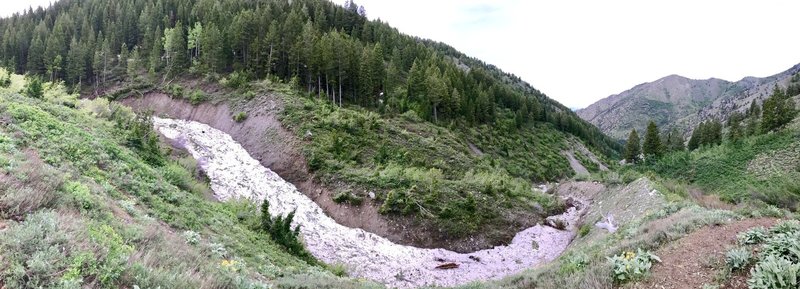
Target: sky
x=580 y=51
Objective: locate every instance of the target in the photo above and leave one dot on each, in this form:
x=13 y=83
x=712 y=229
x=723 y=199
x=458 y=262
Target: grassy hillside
x=416 y=168
x=758 y=168
x=89 y=198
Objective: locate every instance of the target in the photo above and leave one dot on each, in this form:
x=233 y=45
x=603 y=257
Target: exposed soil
x=690 y=262
x=278 y=149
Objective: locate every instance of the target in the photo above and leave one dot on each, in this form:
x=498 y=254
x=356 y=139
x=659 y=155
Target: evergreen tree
x=33 y=87
x=778 y=110
x=674 y=141
x=695 y=139
x=735 y=132
x=632 y=148
x=76 y=62
x=36 y=61
x=652 y=147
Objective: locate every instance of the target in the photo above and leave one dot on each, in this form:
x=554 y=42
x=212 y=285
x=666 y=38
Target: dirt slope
x=687 y=263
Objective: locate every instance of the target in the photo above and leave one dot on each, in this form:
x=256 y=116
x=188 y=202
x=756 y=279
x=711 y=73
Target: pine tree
x=695 y=139
x=36 y=61
x=76 y=63
x=632 y=148
x=735 y=132
x=675 y=141
x=652 y=147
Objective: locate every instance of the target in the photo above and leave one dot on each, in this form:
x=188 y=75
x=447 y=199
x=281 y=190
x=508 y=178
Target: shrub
x=191 y=237
x=240 y=117
x=632 y=266
x=573 y=263
x=281 y=231
x=348 y=197
x=584 y=230
x=738 y=258
x=236 y=80
x=786 y=245
x=33 y=87
x=35 y=188
x=774 y=272
x=81 y=195
x=752 y=236
x=787 y=226
x=197 y=97
x=5 y=82
x=34 y=252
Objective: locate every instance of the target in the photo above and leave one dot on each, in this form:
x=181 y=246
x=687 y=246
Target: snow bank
x=234 y=174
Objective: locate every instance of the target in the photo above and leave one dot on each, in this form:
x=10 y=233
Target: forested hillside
x=329 y=50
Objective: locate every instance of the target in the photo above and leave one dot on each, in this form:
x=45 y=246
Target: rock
x=474 y=258
x=308 y=135
x=570 y=202
x=371 y=195
x=447 y=266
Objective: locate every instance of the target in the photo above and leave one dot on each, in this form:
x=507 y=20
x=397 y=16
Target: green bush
x=738 y=258
x=573 y=262
x=5 y=82
x=630 y=266
x=240 y=117
x=785 y=245
x=33 y=87
x=281 y=231
x=774 y=272
x=236 y=80
x=197 y=97
x=584 y=230
x=35 y=252
x=787 y=226
x=348 y=197
x=753 y=236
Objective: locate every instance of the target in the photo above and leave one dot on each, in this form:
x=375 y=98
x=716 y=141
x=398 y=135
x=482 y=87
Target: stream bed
x=233 y=173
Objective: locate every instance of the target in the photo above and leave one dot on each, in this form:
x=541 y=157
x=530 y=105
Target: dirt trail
x=687 y=262
x=235 y=174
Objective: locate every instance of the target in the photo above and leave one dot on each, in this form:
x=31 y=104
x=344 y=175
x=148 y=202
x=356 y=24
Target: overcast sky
x=580 y=51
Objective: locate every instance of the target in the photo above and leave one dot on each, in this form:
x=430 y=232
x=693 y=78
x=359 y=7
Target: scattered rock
x=447 y=266
x=308 y=135
x=371 y=195
x=476 y=259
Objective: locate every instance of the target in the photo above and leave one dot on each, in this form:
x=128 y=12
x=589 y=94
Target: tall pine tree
x=633 y=149
x=652 y=147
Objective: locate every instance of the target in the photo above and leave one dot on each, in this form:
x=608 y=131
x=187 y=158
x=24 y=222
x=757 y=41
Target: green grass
x=419 y=169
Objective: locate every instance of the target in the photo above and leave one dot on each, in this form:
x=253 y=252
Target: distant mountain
x=678 y=102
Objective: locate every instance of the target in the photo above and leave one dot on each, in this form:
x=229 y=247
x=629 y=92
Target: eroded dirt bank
x=279 y=149
x=235 y=174
x=276 y=148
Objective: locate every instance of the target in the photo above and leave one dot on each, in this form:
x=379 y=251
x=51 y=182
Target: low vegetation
x=91 y=199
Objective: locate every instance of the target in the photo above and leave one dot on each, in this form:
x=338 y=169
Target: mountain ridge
x=697 y=100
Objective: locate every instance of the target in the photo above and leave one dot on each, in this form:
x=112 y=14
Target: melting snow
x=235 y=174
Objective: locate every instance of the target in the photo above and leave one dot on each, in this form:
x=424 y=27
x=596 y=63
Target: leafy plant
x=197 y=97
x=785 y=245
x=630 y=266
x=738 y=258
x=753 y=236
x=774 y=272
